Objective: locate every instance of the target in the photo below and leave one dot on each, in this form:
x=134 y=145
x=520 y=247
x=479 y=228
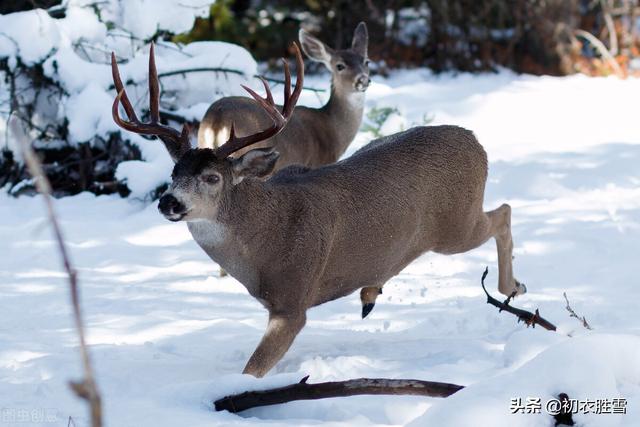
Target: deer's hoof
x=521 y=288
x=366 y=309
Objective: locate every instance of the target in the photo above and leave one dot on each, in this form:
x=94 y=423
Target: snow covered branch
x=304 y=391
x=60 y=85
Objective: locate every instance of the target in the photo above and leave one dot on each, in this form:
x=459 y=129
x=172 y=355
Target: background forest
x=552 y=37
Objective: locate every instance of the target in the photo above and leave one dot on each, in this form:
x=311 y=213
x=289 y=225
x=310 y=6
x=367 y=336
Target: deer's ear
x=315 y=49
x=360 y=40
x=255 y=163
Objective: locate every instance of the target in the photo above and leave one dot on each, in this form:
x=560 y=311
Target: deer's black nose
x=169 y=205
x=362 y=82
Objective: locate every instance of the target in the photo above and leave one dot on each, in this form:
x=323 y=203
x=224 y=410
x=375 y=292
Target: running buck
x=306 y=237
x=312 y=137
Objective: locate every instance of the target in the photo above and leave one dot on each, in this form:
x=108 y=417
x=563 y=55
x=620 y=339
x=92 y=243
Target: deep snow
x=168 y=335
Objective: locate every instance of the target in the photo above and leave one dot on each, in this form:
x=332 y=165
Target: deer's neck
x=245 y=213
x=344 y=116
x=243 y=226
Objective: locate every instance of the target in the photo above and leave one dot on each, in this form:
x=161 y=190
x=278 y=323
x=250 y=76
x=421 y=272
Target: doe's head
x=202 y=177
x=349 y=67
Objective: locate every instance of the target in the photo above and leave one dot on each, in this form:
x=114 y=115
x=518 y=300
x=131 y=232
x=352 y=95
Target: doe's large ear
x=255 y=163
x=314 y=48
x=360 y=40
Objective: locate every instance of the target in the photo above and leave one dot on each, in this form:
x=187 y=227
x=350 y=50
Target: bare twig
x=169 y=115
x=304 y=391
x=201 y=70
x=572 y=313
x=611 y=28
x=530 y=319
x=228 y=71
x=279 y=81
x=602 y=49
x=86 y=389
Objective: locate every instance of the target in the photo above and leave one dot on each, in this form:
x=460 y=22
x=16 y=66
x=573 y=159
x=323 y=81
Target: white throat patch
x=356 y=99
x=207 y=232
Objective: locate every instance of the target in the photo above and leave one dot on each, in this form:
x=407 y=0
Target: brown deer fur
x=308 y=236
x=302 y=239
x=313 y=136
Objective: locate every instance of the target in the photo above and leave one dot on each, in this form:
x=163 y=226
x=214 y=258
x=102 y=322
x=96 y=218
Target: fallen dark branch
x=530 y=319
x=304 y=391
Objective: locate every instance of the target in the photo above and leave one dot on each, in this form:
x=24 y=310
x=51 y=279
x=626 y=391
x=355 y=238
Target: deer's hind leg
x=496 y=224
x=499 y=227
x=368 y=296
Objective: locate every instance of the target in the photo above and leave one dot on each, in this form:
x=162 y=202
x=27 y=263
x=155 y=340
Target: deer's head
x=202 y=176
x=350 y=67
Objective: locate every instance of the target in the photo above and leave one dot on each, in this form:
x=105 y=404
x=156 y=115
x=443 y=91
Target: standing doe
x=313 y=136
x=301 y=239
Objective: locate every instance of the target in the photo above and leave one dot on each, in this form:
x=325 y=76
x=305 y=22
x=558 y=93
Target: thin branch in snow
x=530 y=319
x=86 y=389
x=572 y=313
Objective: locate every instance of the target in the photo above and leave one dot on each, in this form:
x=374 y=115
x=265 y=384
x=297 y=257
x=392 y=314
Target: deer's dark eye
x=367 y=62
x=210 y=179
x=340 y=67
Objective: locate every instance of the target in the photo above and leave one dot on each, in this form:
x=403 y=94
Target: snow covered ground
x=168 y=336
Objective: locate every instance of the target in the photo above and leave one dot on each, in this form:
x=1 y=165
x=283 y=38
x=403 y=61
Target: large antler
x=176 y=142
x=279 y=118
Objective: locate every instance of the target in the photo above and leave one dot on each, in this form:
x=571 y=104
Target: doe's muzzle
x=362 y=82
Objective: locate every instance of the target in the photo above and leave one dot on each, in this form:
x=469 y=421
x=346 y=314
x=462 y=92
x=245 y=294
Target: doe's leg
x=280 y=333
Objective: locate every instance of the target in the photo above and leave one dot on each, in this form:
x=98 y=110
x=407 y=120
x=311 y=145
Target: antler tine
x=154 y=87
x=130 y=126
x=267 y=89
x=290 y=101
x=287 y=83
x=117 y=82
x=176 y=142
x=136 y=126
x=267 y=102
x=280 y=119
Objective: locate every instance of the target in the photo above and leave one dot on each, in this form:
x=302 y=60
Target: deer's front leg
x=281 y=331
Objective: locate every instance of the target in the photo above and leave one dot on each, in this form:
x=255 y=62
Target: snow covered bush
x=55 y=76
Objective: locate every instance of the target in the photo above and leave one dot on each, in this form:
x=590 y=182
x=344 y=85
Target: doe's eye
x=367 y=62
x=340 y=67
x=210 y=179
